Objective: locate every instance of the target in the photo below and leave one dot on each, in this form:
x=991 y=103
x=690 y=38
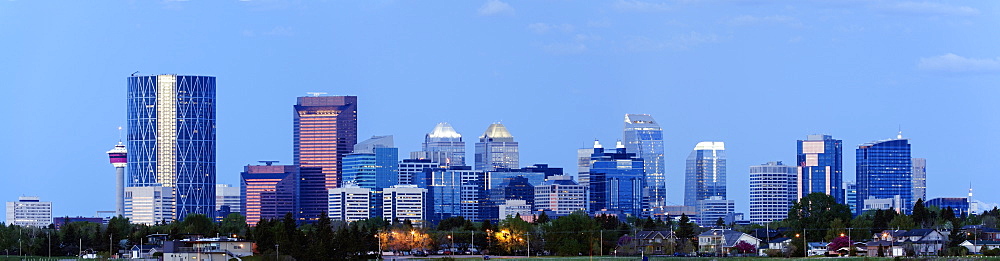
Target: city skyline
x=566 y=79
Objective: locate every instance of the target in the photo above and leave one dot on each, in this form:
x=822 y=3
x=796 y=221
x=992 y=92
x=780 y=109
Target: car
x=419 y=253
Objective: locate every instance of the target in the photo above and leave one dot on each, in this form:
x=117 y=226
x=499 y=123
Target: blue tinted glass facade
x=705 y=173
x=821 y=167
x=616 y=182
x=959 y=205
x=643 y=136
x=884 y=170
x=171 y=138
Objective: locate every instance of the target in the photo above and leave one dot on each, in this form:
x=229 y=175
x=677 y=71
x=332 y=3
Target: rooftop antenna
x=119 y=134
x=267 y=162
x=136 y=72
x=315 y=94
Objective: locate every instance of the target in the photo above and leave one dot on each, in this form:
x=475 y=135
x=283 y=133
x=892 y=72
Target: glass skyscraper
x=268 y=192
x=171 y=139
x=820 y=167
x=885 y=170
x=616 y=182
x=644 y=136
x=919 y=179
x=772 y=191
x=443 y=145
x=496 y=149
x=374 y=165
x=705 y=173
x=325 y=129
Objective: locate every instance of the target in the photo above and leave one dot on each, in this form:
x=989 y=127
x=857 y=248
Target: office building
x=511 y=188
x=583 y=165
x=820 y=166
x=643 y=136
x=959 y=205
x=535 y=174
x=410 y=168
x=560 y=196
x=226 y=198
x=405 y=202
x=171 y=139
x=443 y=145
x=514 y=208
x=919 y=179
x=268 y=191
x=772 y=191
x=705 y=173
x=149 y=205
x=373 y=165
x=894 y=203
x=851 y=194
x=496 y=149
x=119 y=159
x=885 y=170
x=352 y=203
x=712 y=209
x=616 y=182
x=325 y=129
x=29 y=212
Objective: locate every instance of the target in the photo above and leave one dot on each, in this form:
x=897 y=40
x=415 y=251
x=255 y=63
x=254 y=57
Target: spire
x=899 y=135
x=597 y=144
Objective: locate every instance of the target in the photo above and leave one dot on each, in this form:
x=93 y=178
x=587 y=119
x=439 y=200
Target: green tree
x=921 y=216
x=685 y=228
x=233 y=224
x=198 y=224
x=571 y=235
x=815 y=212
x=321 y=240
x=719 y=223
x=542 y=218
x=902 y=222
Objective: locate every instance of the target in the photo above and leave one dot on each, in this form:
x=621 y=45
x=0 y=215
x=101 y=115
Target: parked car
x=419 y=253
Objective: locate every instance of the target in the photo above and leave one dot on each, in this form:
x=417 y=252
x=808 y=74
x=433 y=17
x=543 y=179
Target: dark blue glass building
x=616 y=182
x=820 y=167
x=171 y=138
x=884 y=170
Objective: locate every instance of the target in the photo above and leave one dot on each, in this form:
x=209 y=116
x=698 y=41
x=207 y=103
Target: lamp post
x=452 y=246
x=277 y=252
x=379 y=244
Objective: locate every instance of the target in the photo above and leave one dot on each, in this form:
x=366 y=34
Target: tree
x=743 y=247
x=902 y=222
x=921 y=216
x=838 y=243
x=720 y=223
x=685 y=228
x=197 y=224
x=571 y=235
x=816 y=211
x=542 y=218
x=233 y=224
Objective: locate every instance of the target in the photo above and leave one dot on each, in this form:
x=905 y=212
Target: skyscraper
x=560 y=196
x=919 y=179
x=885 y=170
x=325 y=130
x=443 y=145
x=820 y=167
x=644 y=136
x=119 y=160
x=409 y=169
x=268 y=192
x=171 y=139
x=772 y=191
x=616 y=182
x=374 y=165
x=705 y=173
x=351 y=203
x=496 y=149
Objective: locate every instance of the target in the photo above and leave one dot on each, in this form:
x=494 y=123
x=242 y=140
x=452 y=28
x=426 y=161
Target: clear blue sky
x=757 y=75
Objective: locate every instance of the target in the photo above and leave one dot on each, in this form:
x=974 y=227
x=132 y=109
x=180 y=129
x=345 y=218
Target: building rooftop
x=443 y=130
x=496 y=130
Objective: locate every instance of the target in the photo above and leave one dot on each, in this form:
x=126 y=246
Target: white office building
x=773 y=187
x=560 y=196
x=405 y=202
x=149 y=205
x=227 y=195
x=349 y=203
x=29 y=211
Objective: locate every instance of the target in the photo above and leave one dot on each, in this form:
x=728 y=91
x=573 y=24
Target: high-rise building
x=149 y=205
x=616 y=182
x=710 y=210
x=820 y=166
x=409 y=168
x=443 y=145
x=351 y=203
x=919 y=179
x=851 y=194
x=511 y=188
x=373 y=165
x=496 y=149
x=535 y=174
x=583 y=165
x=268 y=191
x=560 y=196
x=772 y=191
x=171 y=139
x=119 y=159
x=513 y=208
x=705 y=173
x=885 y=170
x=456 y=191
x=644 y=136
x=227 y=196
x=29 y=211
x=405 y=202
x=325 y=130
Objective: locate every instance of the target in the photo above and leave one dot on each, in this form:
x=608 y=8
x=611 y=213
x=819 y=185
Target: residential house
x=656 y=242
x=142 y=251
x=723 y=240
x=977 y=246
x=924 y=242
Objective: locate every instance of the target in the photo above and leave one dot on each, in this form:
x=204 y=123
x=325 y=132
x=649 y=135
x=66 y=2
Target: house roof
x=917 y=232
x=881 y=243
x=981 y=228
x=981 y=242
x=765 y=233
x=730 y=237
x=779 y=240
x=654 y=234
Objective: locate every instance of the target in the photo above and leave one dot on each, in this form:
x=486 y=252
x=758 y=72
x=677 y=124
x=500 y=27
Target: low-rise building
x=656 y=242
x=723 y=240
x=221 y=248
x=29 y=211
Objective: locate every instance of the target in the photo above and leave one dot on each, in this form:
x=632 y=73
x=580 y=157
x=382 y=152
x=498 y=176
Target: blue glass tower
x=373 y=165
x=644 y=136
x=616 y=182
x=884 y=170
x=820 y=167
x=705 y=173
x=171 y=138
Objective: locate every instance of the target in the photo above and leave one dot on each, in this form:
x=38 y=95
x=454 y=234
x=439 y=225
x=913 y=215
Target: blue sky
x=757 y=75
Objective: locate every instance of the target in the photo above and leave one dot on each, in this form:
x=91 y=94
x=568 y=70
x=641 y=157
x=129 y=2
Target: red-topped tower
x=118 y=159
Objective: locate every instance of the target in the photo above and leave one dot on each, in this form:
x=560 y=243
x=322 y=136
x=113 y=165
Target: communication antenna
x=267 y=162
x=316 y=94
x=119 y=134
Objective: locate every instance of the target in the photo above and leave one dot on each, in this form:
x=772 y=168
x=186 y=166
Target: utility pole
x=601 y=247
x=528 y=235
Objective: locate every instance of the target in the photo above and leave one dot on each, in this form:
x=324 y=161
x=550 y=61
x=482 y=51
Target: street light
x=452 y=246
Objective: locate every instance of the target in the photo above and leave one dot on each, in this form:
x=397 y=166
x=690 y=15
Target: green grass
x=606 y=258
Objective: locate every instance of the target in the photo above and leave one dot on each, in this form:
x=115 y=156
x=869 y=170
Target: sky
x=757 y=75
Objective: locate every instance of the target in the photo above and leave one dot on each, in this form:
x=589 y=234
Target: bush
x=991 y=252
x=773 y=253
